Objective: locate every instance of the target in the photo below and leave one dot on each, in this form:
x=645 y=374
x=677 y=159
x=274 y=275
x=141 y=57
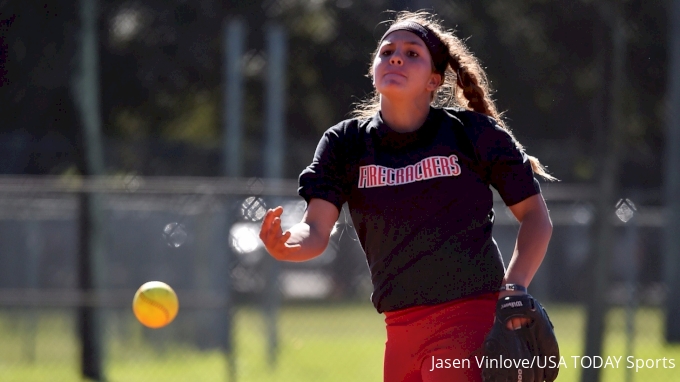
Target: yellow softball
x=155 y=304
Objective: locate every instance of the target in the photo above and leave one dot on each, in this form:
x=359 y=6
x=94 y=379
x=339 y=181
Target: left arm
x=532 y=240
x=532 y=243
x=509 y=171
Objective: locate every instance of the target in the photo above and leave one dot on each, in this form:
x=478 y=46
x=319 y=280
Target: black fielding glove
x=504 y=349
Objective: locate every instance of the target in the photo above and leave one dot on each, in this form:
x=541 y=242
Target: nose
x=396 y=59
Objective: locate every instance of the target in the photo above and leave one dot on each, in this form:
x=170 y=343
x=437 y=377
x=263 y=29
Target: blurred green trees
x=162 y=73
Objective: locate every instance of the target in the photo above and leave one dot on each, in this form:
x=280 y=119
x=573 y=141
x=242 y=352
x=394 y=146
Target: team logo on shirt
x=428 y=168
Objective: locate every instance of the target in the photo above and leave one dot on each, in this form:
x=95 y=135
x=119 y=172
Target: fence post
x=273 y=167
x=631 y=249
x=234 y=42
x=597 y=304
x=91 y=249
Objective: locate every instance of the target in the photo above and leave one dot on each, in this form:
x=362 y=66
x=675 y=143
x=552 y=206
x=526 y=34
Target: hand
x=516 y=322
x=273 y=238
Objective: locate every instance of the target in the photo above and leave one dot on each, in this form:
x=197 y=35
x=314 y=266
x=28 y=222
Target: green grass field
x=317 y=343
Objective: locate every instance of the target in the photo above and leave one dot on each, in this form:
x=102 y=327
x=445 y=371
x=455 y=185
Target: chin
x=394 y=89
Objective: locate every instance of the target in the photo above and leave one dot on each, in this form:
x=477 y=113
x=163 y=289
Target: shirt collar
x=377 y=126
x=389 y=139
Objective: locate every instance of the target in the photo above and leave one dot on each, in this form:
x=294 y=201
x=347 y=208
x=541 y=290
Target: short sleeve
x=326 y=177
x=509 y=168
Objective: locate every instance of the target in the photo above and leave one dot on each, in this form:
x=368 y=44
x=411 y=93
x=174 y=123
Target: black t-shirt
x=420 y=201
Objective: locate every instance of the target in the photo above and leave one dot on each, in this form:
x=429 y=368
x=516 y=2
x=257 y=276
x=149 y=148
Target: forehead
x=404 y=37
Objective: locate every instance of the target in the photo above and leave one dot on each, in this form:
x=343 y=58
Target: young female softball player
x=415 y=167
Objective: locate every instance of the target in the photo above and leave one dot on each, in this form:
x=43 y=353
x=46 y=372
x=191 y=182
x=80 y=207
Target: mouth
x=395 y=73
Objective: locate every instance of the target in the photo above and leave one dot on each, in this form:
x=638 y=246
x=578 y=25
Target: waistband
x=418 y=312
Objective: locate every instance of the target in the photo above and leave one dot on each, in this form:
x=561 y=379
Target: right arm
x=306 y=239
x=325 y=186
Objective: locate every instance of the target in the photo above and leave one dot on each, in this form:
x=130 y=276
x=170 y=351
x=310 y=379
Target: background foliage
x=161 y=79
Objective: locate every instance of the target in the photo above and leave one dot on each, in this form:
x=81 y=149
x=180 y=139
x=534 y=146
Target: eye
x=386 y=52
x=413 y=54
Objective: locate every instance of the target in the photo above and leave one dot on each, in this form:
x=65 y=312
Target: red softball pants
x=438 y=343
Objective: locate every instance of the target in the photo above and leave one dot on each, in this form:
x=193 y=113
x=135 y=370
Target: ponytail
x=475 y=95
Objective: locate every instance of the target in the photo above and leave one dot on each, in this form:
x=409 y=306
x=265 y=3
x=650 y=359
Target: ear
x=434 y=82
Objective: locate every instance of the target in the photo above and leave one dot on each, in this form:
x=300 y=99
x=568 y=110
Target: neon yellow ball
x=155 y=304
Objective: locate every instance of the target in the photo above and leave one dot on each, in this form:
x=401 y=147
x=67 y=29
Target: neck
x=404 y=115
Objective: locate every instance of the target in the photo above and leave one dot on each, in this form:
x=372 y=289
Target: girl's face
x=403 y=67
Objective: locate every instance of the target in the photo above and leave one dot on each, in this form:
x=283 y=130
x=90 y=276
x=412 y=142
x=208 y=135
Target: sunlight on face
x=403 y=66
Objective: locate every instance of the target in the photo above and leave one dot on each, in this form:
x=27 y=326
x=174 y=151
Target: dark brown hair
x=465 y=83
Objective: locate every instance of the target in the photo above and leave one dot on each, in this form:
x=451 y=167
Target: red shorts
x=438 y=343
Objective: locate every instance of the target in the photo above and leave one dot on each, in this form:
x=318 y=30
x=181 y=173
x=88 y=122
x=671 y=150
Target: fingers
x=272 y=236
x=517 y=323
x=512 y=325
x=268 y=223
x=281 y=250
x=270 y=215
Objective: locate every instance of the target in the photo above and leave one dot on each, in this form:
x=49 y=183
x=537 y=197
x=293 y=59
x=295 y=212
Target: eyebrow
x=408 y=42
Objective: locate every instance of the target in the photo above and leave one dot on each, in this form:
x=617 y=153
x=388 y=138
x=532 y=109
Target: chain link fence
x=244 y=316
